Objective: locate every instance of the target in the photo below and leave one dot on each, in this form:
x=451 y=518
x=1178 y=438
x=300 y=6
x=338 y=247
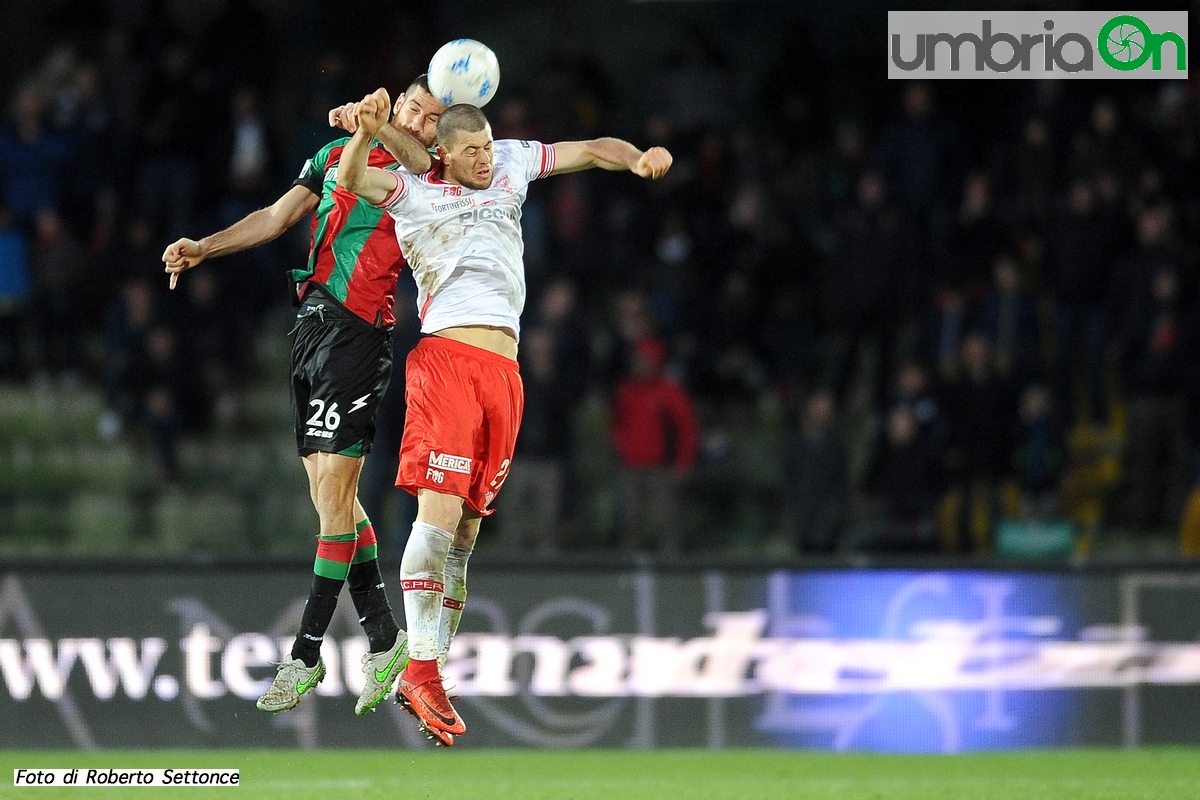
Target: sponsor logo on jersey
x=451 y=191
x=440 y=207
x=331 y=174
x=485 y=214
x=450 y=463
x=320 y=434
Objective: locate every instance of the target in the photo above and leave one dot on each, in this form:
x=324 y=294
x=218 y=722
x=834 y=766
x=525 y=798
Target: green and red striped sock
x=368 y=592
x=332 y=565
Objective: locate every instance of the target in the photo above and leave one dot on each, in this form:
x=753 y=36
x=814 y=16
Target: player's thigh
x=338 y=472
x=441 y=425
x=349 y=374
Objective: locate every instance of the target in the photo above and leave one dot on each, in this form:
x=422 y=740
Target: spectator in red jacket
x=654 y=431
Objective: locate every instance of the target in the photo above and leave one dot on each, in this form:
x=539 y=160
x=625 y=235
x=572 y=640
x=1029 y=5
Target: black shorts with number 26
x=340 y=370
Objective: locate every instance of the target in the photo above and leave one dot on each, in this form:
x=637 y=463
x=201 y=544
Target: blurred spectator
x=942 y=328
x=33 y=158
x=158 y=384
x=976 y=237
x=210 y=351
x=919 y=153
x=816 y=479
x=1103 y=146
x=980 y=412
x=532 y=501
x=127 y=324
x=913 y=392
x=14 y=296
x=861 y=289
x=171 y=141
x=632 y=322
x=122 y=78
x=1008 y=315
x=654 y=431
x=730 y=369
x=58 y=270
x=249 y=154
x=906 y=482
x=81 y=112
x=1159 y=349
x=1040 y=453
x=697 y=87
x=1035 y=173
x=1079 y=262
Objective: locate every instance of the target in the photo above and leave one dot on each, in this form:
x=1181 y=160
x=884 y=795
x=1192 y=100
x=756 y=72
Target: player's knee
x=334 y=493
x=443 y=511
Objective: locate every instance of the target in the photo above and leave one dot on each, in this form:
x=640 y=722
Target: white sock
x=422 y=579
x=454 y=600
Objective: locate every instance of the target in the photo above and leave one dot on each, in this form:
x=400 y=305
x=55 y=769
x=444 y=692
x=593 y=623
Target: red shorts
x=464 y=409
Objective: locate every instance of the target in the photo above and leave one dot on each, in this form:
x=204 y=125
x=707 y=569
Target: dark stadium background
x=826 y=236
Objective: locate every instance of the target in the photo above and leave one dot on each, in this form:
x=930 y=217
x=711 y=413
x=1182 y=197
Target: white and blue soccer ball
x=464 y=71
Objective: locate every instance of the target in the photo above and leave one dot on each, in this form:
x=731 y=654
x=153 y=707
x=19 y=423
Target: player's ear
x=398 y=104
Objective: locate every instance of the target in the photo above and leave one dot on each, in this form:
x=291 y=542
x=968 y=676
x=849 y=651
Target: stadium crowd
x=938 y=309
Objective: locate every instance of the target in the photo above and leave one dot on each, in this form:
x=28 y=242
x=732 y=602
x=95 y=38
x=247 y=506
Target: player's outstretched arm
x=611 y=154
x=252 y=230
x=370 y=183
x=403 y=146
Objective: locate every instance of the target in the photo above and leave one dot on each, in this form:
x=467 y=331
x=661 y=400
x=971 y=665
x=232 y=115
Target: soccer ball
x=464 y=71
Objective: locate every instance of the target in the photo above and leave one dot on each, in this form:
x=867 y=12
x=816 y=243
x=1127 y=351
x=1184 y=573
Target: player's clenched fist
x=373 y=110
x=182 y=255
x=653 y=164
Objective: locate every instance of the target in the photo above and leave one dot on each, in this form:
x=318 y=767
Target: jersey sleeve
x=395 y=203
x=312 y=176
x=535 y=159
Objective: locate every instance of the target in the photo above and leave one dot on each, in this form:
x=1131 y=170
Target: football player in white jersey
x=460 y=228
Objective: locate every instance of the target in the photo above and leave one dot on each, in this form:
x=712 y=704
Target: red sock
x=418 y=672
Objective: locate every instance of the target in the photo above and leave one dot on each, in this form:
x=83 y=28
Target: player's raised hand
x=373 y=110
x=344 y=117
x=180 y=256
x=653 y=164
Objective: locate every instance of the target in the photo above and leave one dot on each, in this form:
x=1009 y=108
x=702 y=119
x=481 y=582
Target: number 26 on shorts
x=332 y=418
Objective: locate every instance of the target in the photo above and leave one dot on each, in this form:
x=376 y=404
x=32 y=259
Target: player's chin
x=480 y=181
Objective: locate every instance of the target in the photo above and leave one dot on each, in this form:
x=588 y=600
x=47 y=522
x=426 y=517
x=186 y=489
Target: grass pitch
x=1148 y=774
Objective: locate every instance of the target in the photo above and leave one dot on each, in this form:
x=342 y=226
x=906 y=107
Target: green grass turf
x=1147 y=774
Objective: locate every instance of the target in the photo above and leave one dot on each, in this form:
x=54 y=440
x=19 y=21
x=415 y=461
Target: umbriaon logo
x=1037 y=44
x=1126 y=42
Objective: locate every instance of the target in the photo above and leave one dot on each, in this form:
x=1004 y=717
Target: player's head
x=465 y=146
x=417 y=111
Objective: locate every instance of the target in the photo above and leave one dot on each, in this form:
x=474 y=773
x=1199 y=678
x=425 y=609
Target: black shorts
x=340 y=370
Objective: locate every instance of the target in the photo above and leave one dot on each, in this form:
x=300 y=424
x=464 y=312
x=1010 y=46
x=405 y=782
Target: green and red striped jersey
x=354 y=253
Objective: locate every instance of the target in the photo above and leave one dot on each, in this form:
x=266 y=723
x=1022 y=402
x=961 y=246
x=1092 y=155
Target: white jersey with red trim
x=464 y=245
